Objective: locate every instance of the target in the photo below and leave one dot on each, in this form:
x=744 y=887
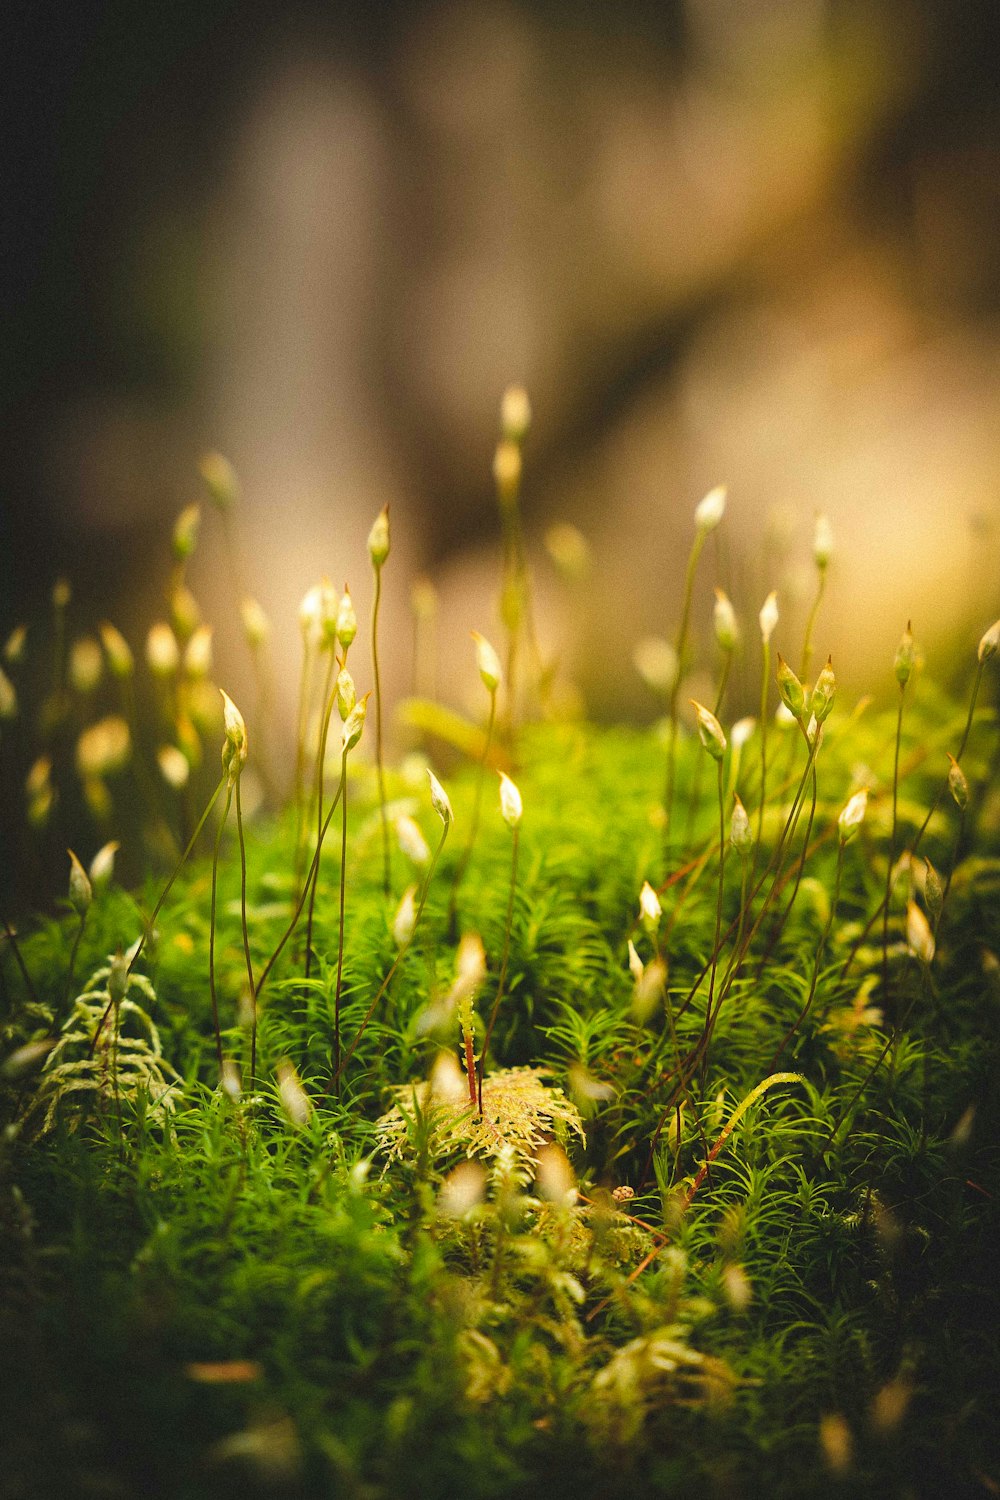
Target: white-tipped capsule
x=117 y=649
x=989 y=644
x=163 y=654
x=405 y=919
x=81 y=892
x=118 y=977
x=378 y=538
x=649 y=990
x=741 y=732
x=650 y=910
x=424 y=600
x=86 y=664
x=768 y=616
x=740 y=835
x=220 y=480
x=709 y=512
x=507 y=470
x=656 y=663
x=186 y=531
x=933 y=890
x=8 y=697
x=511 y=807
x=487 y=662
x=554 y=1176
x=853 y=815
x=310 y=614
x=919 y=938
x=569 y=550
x=347 y=620
x=636 y=967
x=736 y=1287
x=462 y=1190
x=103 y=748
x=836 y=1442
x=26 y=1059
x=39 y=776
x=709 y=730
x=470 y=961
x=905 y=656
x=230 y=1081
x=185 y=611
x=727 y=629
x=411 y=841
x=174 y=766
x=447 y=1085
x=822 y=542
x=958 y=786
x=439 y=800
x=198 y=653
x=354 y=724
x=790 y=688
x=13 y=649
x=515 y=413
x=293 y=1097
x=39 y=791
x=823 y=693
x=102 y=866
x=256 y=625
x=318 y=615
x=347 y=695
x=236 y=747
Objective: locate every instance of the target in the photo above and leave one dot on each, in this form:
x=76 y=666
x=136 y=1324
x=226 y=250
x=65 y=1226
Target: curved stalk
x=307 y=884
x=211 y=925
x=246 y=934
x=379 y=762
x=343 y=897
x=329 y=698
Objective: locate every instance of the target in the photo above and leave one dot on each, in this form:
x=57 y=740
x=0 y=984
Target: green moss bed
x=285 y=1286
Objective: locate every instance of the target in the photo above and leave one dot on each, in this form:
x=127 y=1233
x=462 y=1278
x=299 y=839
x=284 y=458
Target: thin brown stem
x=379 y=761
x=15 y=948
x=307 y=884
x=211 y=926
x=329 y=698
x=343 y=897
x=246 y=934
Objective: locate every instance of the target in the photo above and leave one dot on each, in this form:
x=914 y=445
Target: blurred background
x=741 y=241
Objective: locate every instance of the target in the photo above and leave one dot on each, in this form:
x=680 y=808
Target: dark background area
x=664 y=218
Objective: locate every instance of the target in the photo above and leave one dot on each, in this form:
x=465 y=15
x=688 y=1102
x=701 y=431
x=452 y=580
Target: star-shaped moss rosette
x=519 y=1111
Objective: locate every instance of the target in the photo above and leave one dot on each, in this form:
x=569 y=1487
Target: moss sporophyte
x=594 y=1125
